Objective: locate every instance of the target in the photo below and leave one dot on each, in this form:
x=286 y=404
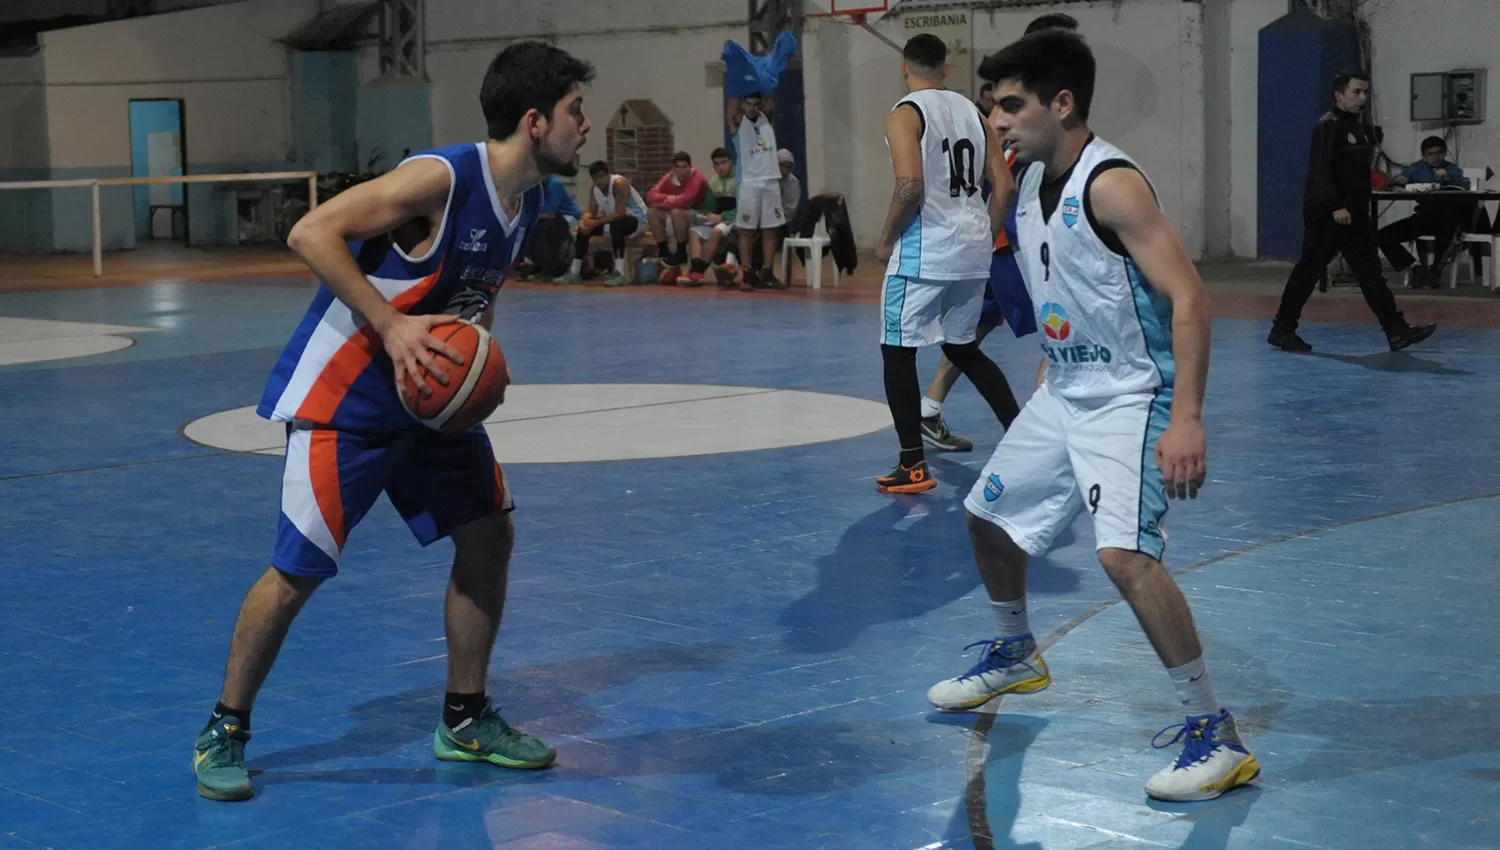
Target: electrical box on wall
x=1452 y=97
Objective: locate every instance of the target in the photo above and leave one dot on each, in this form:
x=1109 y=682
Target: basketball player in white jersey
x=760 y=192
x=1114 y=426
x=937 y=243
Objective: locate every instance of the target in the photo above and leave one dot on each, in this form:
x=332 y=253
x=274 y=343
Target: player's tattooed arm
x=906 y=202
x=903 y=132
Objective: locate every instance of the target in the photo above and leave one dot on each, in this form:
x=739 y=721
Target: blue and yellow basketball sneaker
x=1214 y=759
x=1007 y=665
x=493 y=740
x=219 y=761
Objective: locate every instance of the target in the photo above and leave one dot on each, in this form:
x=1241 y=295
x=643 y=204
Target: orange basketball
x=474 y=389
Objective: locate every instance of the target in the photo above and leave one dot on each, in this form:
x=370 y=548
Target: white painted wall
x=223 y=61
x=1246 y=18
x=1419 y=36
x=23 y=114
x=1148 y=100
x=655 y=50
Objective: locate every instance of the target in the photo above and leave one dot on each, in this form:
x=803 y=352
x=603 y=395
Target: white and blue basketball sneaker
x=1007 y=665
x=1213 y=760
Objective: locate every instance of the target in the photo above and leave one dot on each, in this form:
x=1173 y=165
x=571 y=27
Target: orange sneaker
x=907 y=479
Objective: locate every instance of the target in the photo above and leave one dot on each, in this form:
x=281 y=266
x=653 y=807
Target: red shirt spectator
x=682 y=188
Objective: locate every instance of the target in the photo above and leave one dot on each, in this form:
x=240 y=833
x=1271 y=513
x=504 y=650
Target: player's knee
x=291 y=588
x=488 y=540
x=961 y=355
x=1127 y=569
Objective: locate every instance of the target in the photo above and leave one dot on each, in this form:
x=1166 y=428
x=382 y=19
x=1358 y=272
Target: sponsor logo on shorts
x=1070 y=209
x=993 y=488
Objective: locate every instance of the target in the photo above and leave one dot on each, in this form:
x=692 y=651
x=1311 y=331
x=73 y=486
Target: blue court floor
x=731 y=648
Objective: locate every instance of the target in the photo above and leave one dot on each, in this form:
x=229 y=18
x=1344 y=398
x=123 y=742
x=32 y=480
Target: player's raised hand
x=410 y=343
x=1182 y=455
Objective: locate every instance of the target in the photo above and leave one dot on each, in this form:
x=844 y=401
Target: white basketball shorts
x=760 y=206
x=1060 y=457
x=930 y=312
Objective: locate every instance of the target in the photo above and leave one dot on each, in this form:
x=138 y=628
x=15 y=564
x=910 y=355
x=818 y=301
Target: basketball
x=474 y=389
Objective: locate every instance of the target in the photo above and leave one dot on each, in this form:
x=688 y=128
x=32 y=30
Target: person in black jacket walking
x=1336 y=219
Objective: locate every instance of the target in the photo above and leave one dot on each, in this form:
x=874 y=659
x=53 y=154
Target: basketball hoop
x=856 y=12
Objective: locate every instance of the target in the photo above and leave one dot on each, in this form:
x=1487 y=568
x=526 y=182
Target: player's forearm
x=327 y=254
x=906 y=202
x=1190 y=344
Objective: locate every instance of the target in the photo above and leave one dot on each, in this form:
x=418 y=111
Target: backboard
x=860 y=11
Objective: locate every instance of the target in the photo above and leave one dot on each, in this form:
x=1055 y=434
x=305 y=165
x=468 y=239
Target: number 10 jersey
x=950 y=237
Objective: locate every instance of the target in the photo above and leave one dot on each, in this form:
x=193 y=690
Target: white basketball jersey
x=1105 y=330
x=950 y=238
x=756 y=143
x=634 y=206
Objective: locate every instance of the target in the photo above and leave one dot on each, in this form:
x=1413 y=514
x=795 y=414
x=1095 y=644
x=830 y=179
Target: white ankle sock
x=1194 y=688
x=931 y=408
x=1010 y=618
x=576 y=268
x=620 y=266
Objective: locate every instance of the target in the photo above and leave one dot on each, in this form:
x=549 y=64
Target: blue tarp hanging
x=746 y=74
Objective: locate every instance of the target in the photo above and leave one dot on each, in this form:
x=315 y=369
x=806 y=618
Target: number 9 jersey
x=950 y=238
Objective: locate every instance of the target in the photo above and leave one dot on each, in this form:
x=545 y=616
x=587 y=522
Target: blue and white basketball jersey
x=949 y=239
x=634 y=205
x=334 y=371
x=755 y=149
x=1105 y=330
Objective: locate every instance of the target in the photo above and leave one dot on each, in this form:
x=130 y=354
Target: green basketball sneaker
x=493 y=740
x=219 y=761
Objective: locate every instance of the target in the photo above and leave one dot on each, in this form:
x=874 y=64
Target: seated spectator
x=714 y=220
x=616 y=208
x=549 y=246
x=1440 y=220
x=791 y=190
x=671 y=203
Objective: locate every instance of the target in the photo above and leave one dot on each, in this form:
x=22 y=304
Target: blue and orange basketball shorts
x=437 y=482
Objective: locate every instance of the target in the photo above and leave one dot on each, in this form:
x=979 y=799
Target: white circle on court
x=13 y=353
x=571 y=423
x=25 y=340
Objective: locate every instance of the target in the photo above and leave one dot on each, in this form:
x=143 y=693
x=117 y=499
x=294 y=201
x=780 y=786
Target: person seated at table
x=1438 y=219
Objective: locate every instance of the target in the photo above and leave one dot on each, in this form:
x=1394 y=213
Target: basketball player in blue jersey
x=397 y=256
x=1115 y=424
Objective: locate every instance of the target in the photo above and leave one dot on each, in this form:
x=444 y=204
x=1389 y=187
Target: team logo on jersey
x=1070 y=211
x=1055 y=322
x=993 y=488
x=475 y=241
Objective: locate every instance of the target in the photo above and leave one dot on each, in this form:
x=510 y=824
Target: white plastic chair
x=1491 y=273
x=1476 y=178
x=815 y=245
